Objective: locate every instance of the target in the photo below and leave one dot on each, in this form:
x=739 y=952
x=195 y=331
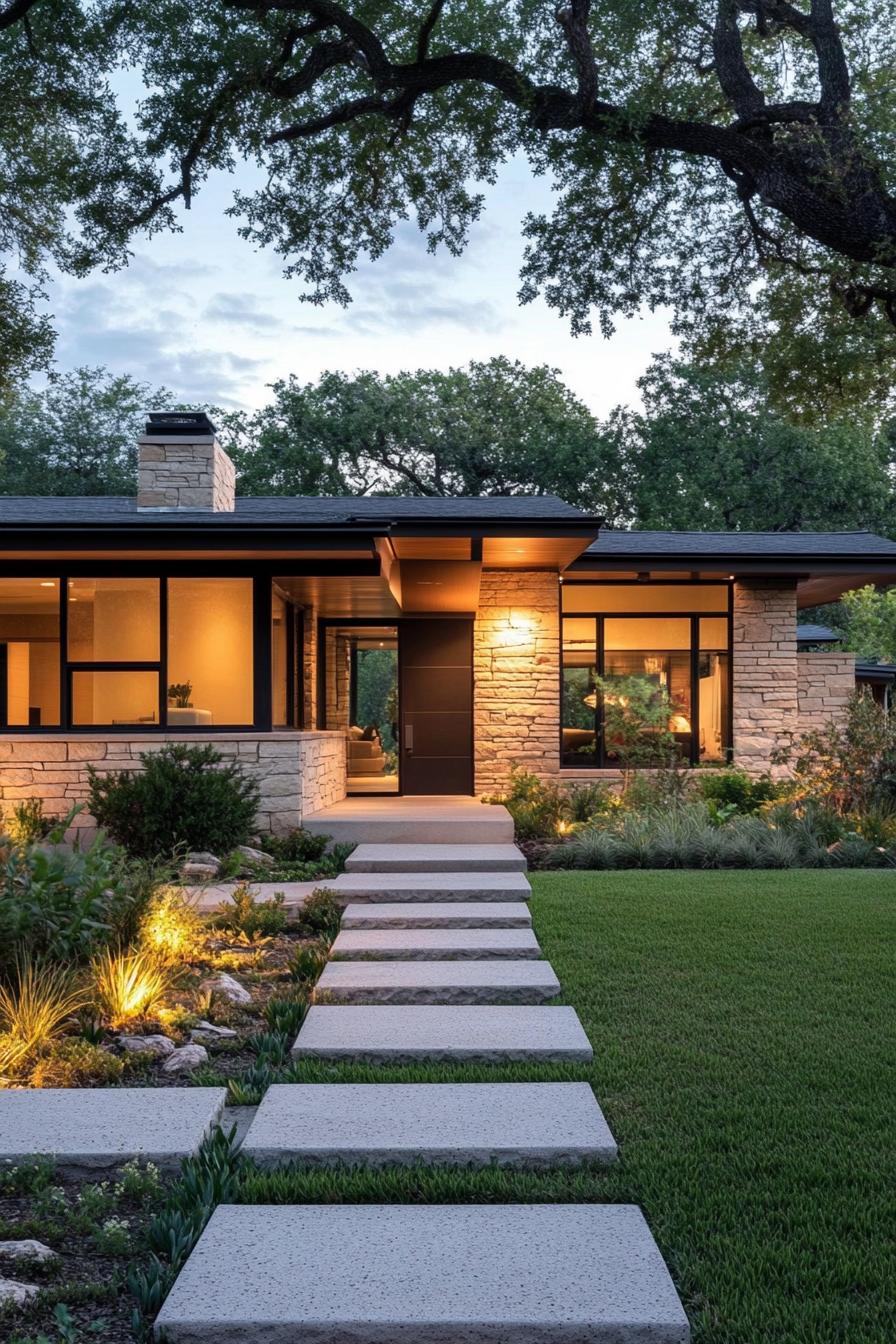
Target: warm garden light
x=130 y=984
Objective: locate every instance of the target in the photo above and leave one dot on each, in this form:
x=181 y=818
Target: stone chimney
x=181 y=465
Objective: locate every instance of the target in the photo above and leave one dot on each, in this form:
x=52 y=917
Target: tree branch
x=573 y=19
x=428 y=24
x=731 y=67
x=15 y=11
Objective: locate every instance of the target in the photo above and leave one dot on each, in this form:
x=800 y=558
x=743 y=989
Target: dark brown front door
x=436 y=670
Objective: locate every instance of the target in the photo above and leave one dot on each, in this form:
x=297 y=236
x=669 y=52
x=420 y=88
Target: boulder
x=15 y=1293
x=186 y=1059
x=207 y=1031
x=156 y=1046
x=27 y=1250
x=225 y=985
x=199 y=872
x=255 y=855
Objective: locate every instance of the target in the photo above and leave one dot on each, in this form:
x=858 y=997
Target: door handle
x=409 y=738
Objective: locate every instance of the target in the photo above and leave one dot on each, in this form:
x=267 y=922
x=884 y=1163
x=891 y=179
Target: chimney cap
x=185 y=424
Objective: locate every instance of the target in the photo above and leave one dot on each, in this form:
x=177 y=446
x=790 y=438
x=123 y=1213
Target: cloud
x=242 y=310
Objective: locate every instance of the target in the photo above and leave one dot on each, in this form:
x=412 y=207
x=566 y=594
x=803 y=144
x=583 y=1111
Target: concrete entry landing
x=422 y=1274
x=429 y=820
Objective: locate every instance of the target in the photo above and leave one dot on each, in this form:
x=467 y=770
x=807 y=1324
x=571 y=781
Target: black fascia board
x=801 y=565
x=186 y=536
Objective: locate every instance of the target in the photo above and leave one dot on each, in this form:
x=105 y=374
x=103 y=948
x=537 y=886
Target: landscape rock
x=27 y=1250
x=255 y=855
x=203 y=856
x=156 y=1046
x=199 y=872
x=16 y=1293
x=186 y=1059
x=207 y=1031
x=230 y=988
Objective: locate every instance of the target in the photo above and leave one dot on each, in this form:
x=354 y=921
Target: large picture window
x=29 y=653
x=118 y=652
x=672 y=639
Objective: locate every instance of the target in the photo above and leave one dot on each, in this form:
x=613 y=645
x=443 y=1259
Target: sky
x=206 y=316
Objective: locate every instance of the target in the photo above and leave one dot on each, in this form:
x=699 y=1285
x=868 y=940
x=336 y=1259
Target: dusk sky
x=206 y=316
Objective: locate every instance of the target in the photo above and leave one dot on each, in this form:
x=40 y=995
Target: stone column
x=765 y=708
x=516 y=667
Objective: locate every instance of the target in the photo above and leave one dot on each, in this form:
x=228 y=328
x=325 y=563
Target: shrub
x=584 y=801
x=26 y=822
x=74 y=1062
x=321 y=914
x=536 y=805
x=172 y=928
x=637 y=711
x=299 y=846
x=256 y=919
x=851 y=766
x=728 y=791
x=185 y=796
x=65 y=904
x=130 y=984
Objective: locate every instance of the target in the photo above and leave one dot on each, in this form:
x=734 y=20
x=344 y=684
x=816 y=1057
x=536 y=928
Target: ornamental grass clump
x=130 y=984
x=34 y=1007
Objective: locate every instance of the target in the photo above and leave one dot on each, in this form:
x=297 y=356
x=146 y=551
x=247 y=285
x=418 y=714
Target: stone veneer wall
x=765 y=702
x=516 y=668
x=826 y=681
x=181 y=473
x=297 y=772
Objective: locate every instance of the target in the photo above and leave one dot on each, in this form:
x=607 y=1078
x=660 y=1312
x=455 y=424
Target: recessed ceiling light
x=48 y=583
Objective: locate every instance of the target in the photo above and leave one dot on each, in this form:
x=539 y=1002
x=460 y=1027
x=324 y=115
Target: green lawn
x=743 y=1029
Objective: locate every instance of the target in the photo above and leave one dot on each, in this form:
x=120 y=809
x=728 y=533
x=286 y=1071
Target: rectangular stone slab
x=410 y=982
x=386 y=1035
x=88 y=1128
x=436 y=859
x=437 y=915
x=436 y=1124
x=434 y=944
x=425 y=1274
x=394 y=887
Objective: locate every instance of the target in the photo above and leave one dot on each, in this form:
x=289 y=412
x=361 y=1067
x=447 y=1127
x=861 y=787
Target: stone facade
x=185 y=473
x=765 y=701
x=297 y=772
x=826 y=681
x=516 y=668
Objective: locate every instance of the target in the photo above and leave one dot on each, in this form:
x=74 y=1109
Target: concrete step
x=378 y=1273
x=429 y=887
x=458 y=858
x=461 y=982
x=437 y=915
x=434 y=944
x=395 y=1035
x=87 y=1129
x=531 y=1125
x=413 y=821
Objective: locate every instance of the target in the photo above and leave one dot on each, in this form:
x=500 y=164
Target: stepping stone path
x=438 y=915
x=433 y=944
x=532 y=1274
x=436 y=859
x=491 y=981
x=415 y=1034
x=452 y=1124
x=88 y=1129
x=436 y=961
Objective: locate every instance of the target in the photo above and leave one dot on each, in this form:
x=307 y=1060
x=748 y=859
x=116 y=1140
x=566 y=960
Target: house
x=389 y=645
x=877 y=678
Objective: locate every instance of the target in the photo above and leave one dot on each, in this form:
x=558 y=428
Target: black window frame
x=262 y=586
x=597 y=759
